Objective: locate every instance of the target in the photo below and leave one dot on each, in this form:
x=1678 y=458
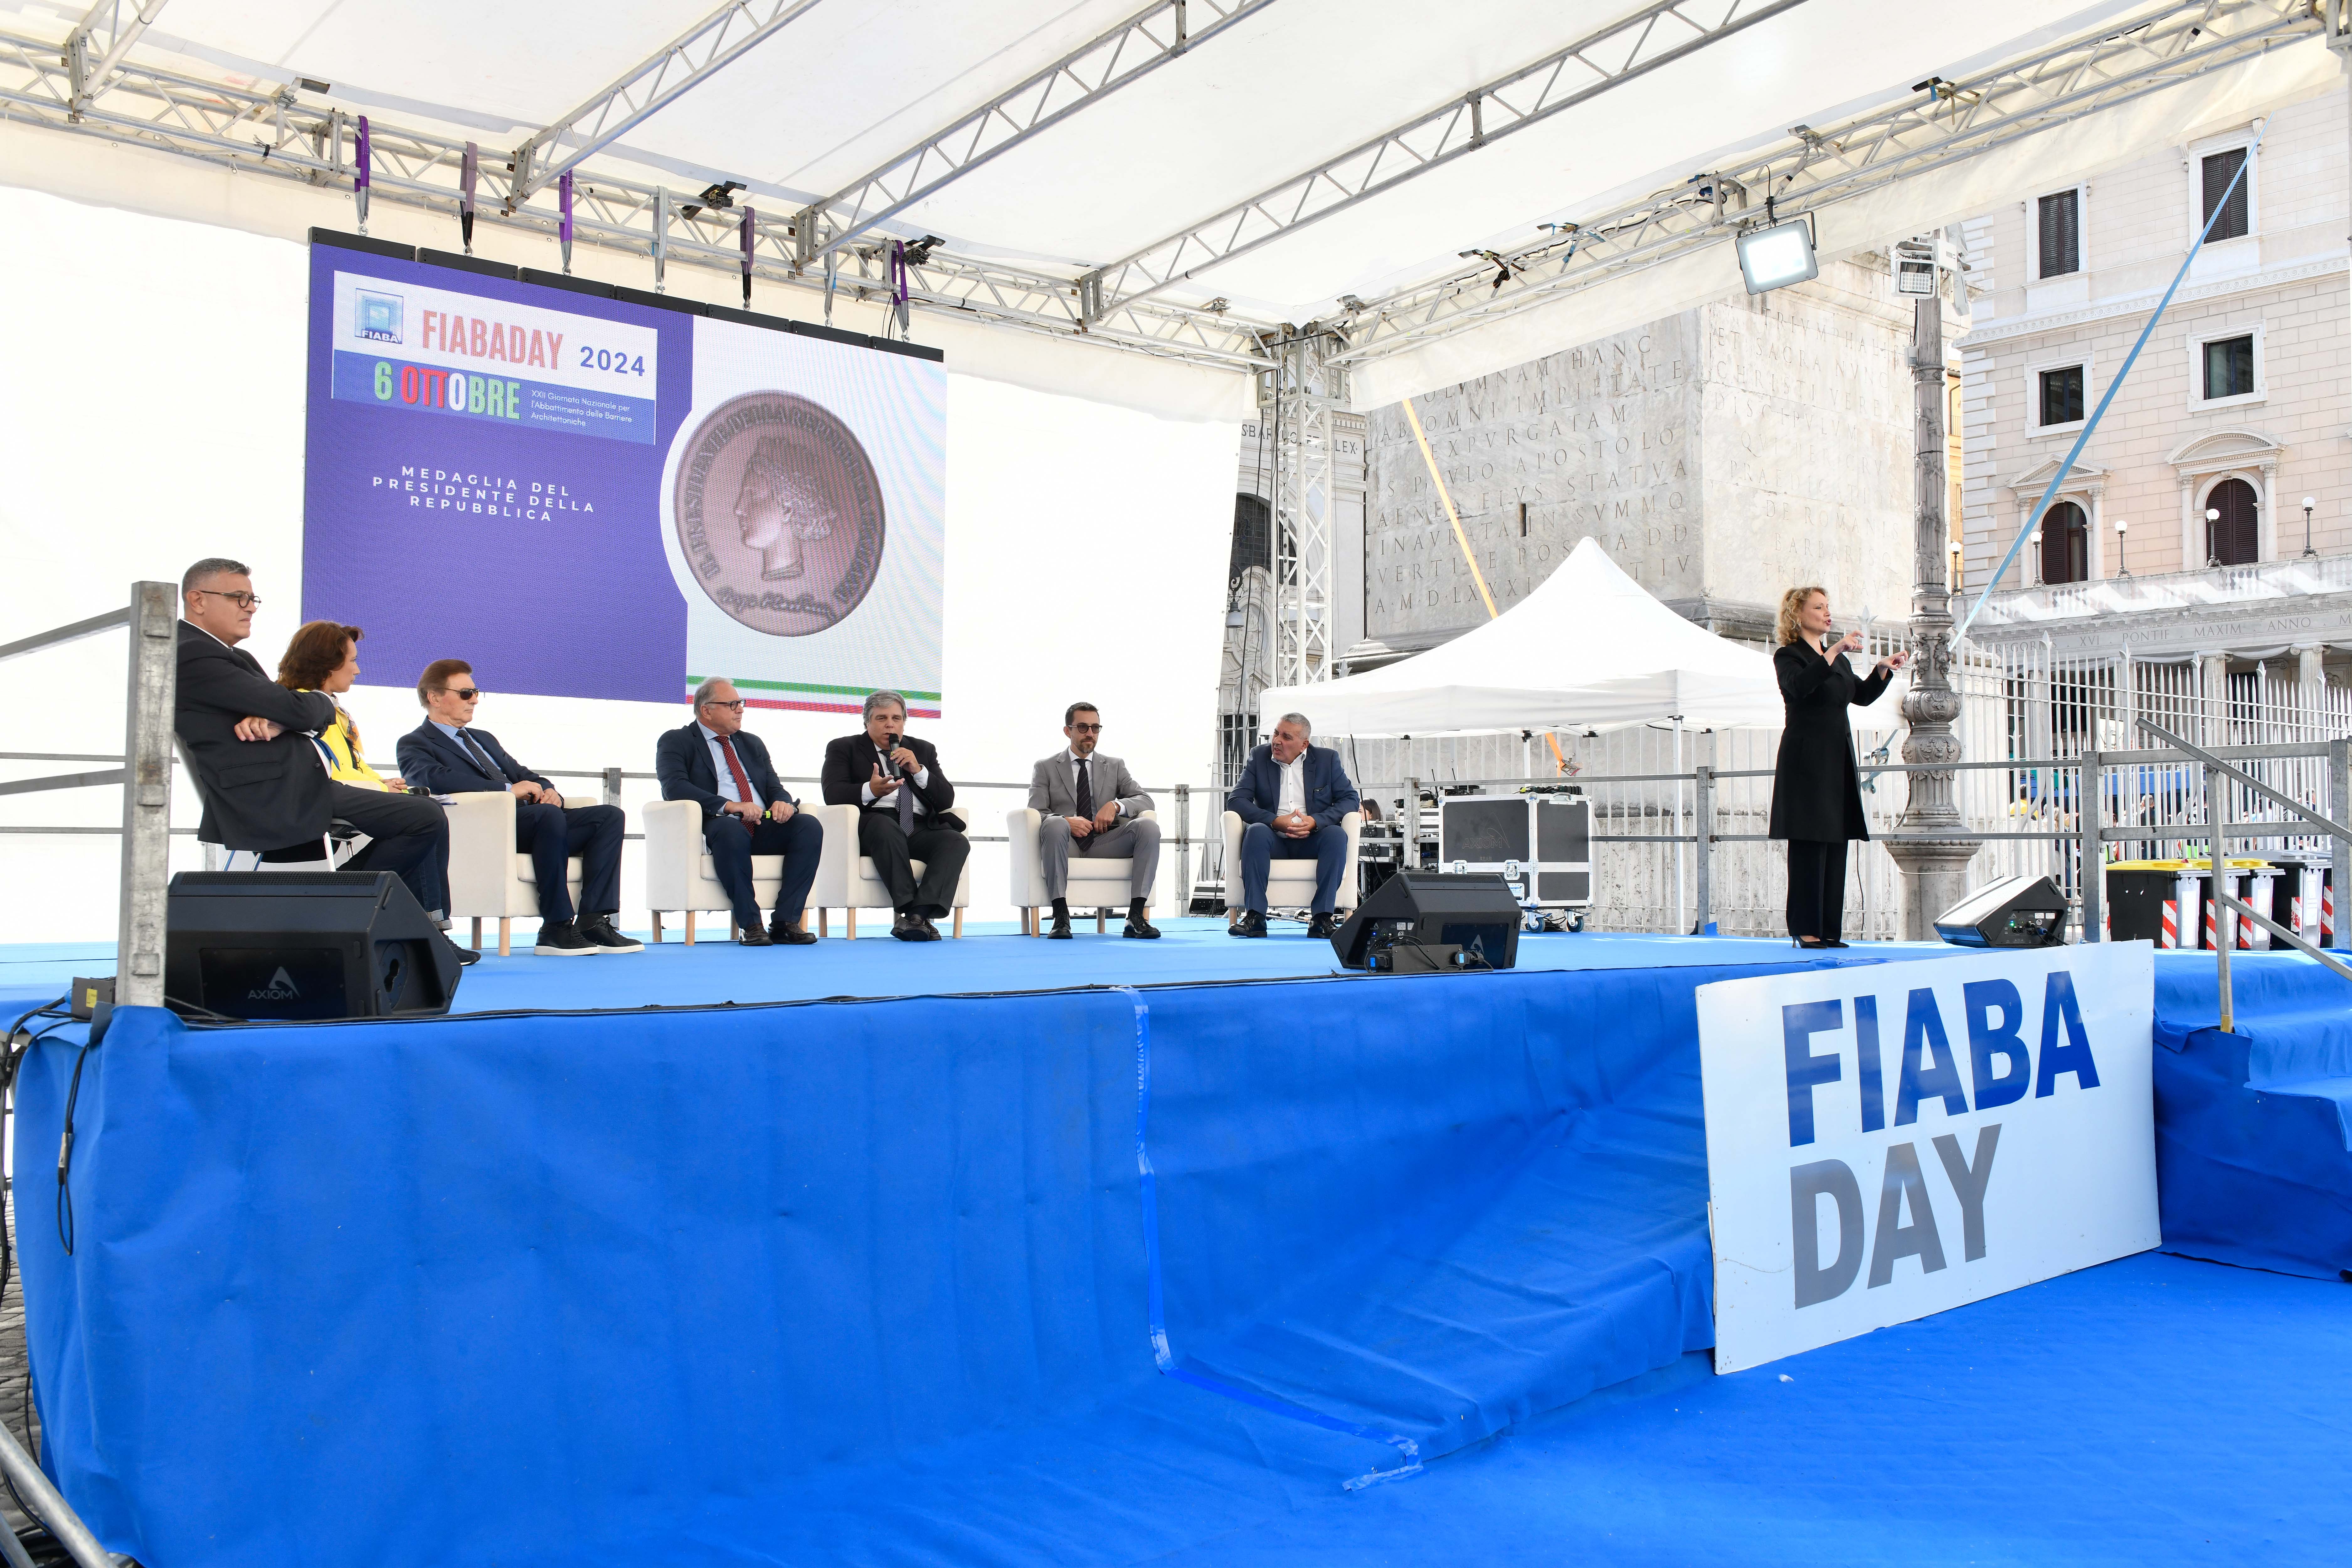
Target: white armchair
x=488 y=878
x=846 y=878
x=678 y=875
x=1290 y=884
x=1103 y=883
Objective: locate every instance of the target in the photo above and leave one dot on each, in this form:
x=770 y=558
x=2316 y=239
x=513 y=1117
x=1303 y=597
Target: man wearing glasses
x=746 y=811
x=445 y=756
x=247 y=739
x=1093 y=807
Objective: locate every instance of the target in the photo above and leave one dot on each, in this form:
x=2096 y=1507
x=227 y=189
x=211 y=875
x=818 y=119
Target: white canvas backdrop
x=153 y=415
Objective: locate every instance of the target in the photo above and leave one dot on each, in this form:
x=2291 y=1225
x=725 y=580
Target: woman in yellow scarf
x=324 y=655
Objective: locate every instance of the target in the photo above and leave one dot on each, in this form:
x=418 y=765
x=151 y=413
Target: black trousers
x=552 y=835
x=941 y=849
x=733 y=842
x=408 y=834
x=1816 y=888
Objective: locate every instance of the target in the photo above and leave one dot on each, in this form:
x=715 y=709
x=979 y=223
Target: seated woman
x=324 y=655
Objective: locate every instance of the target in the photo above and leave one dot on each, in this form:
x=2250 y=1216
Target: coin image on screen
x=779 y=513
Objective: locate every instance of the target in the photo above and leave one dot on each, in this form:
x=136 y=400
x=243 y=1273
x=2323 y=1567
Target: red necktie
x=742 y=784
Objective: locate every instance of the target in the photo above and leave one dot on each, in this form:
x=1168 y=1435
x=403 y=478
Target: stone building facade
x=2237 y=407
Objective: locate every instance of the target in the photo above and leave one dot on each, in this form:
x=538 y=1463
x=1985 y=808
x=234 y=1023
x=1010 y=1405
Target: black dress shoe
x=930 y=931
x=1252 y=923
x=783 y=935
x=561 y=939
x=1325 y=925
x=914 y=928
x=1060 y=929
x=752 y=936
x=599 y=930
x=1833 y=943
x=467 y=956
x=1138 y=926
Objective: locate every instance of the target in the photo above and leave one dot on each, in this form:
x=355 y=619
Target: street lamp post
x=2213 y=540
x=2307 y=504
x=2123 y=567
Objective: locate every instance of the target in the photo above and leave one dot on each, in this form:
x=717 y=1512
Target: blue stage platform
x=1050 y=1275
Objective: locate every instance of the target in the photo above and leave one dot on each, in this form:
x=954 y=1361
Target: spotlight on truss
x=1352 y=304
x=920 y=251
x=1778 y=255
x=1505 y=268
x=717 y=198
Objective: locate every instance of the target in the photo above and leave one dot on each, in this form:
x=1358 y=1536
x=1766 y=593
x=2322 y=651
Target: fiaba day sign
x=1889 y=1141
x=586 y=496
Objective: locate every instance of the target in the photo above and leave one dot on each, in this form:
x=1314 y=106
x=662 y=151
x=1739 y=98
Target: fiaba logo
x=281 y=988
x=377 y=318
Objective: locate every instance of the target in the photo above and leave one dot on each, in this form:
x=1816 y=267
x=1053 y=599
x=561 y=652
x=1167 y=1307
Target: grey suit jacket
x=1053 y=791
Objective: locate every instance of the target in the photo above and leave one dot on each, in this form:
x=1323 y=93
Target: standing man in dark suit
x=746 y=811
x=1292 y=796
x=902 y=796
x=248 y=742
x=445 y=756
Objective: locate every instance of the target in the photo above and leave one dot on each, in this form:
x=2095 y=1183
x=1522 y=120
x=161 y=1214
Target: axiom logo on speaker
x=281 y=988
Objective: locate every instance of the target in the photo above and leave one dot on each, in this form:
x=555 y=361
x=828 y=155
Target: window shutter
x=2220 y=170
x=2062 y=234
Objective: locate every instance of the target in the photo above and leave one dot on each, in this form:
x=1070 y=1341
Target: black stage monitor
x=2016 y=911
x=304 y=944
x=1427 y=910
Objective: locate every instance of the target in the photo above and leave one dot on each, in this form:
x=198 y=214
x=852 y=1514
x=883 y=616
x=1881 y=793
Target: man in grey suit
x=1093 y=807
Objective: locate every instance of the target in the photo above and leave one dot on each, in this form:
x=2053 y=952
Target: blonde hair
x=1792 y=605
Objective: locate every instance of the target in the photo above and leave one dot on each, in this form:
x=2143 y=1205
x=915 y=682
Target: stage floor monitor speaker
x=304 y=945
x=1476 y=913
x=2016 y=911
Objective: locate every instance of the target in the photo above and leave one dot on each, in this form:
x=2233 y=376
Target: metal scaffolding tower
x=1301 y=394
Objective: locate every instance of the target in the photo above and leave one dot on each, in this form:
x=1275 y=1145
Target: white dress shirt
x=1074 y=760
x=922 y=780
x=1292 y=796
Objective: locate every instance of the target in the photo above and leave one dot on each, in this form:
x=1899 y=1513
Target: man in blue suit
x=445 y=755
x=746 y=811
x=1292 y=796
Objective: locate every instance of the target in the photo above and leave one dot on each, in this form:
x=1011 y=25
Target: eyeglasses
x=462 y=694
x=736 y=706
x=242 y=601
x=1088 y=729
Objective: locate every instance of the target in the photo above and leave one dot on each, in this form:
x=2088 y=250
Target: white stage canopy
x=1177 y=177
x=1588 y=649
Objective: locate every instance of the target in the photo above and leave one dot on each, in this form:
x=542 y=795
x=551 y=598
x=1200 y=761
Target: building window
x=2062 y=396
x=2220 y=169
x=2060 y=233
x=2229 y=367
x=2233 y=537
x=2065 y=544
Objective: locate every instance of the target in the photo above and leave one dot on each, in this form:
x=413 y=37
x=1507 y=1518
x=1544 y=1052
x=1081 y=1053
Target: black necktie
x=1085 y=789
x=482 y=757
x=906 y=796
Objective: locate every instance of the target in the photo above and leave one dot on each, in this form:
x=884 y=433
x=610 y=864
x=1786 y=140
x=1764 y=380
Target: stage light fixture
x=1778 y=255
x=920 y=251
x=1915 y=262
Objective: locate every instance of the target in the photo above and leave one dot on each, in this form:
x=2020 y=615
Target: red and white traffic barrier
x=2172 y=935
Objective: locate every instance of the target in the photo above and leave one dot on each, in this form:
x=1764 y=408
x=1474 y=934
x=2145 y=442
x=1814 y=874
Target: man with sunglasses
x=746 y=811
x=1092 y=806
x=445 y=756
x=247 y=740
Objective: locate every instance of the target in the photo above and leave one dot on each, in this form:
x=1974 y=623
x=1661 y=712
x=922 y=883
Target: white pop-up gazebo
x=1588 y=650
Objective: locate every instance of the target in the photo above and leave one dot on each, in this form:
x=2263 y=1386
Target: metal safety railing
x=144 y=770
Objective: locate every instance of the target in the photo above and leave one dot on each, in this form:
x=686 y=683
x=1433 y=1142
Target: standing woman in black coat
x=1816 y=796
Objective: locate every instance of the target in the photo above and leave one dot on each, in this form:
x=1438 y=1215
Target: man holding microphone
x=902 y=795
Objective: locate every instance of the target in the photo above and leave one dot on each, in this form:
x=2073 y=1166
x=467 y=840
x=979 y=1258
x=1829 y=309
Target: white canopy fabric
x=851 y=83
x=1588 y=649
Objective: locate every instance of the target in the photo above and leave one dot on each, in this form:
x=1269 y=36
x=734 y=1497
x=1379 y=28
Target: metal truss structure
x=90 y=86
x=279 y=135
x=1658 y=35
x=1101 y=66
x=1302 y=394
x=680 y=65
x=1948 y=123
